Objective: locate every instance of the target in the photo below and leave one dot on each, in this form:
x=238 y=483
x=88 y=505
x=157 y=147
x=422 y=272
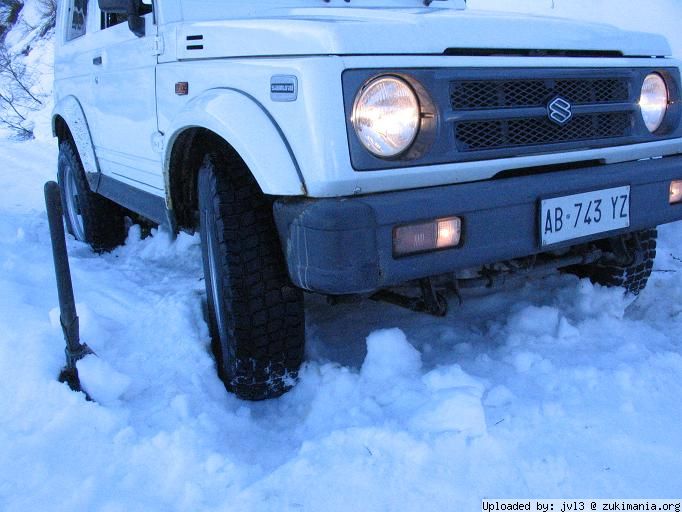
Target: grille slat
x=485 y=94
x=498 y=134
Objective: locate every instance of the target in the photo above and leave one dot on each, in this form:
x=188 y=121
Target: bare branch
x=17 y=94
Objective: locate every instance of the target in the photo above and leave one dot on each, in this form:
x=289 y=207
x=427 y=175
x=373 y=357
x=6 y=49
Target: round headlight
x=386 y=116
x=653 y=101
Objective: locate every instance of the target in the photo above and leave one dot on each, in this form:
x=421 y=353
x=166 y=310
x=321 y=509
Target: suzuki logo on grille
x=559 y=110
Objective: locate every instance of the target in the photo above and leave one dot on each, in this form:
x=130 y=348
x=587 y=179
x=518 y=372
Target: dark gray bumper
x=344 y=245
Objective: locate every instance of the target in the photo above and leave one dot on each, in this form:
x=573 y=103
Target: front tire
x=255 y=314
x=89 y=217
x=628 y=262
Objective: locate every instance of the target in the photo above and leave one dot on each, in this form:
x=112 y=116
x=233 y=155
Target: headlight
x=386 y=116
x=653 y=101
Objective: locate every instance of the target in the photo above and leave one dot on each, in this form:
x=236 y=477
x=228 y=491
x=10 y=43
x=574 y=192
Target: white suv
x=345 y=147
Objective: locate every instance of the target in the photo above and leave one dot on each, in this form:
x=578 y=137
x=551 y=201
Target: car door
x=124 y=99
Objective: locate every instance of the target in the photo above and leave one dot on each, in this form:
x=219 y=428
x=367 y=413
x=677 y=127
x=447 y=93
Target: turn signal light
x=427 y=236
x=675 y=192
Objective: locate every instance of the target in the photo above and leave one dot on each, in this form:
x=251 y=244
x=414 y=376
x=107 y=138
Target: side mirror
x=136 y=22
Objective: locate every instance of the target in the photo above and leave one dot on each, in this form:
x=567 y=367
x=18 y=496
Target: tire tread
x=266 y=310
x=103 y=220
x=632 y=277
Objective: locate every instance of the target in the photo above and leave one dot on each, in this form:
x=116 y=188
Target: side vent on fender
x=195 y=46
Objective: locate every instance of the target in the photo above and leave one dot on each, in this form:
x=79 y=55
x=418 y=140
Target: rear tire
x=255 y=314
x=628 y=263
x=89 y=217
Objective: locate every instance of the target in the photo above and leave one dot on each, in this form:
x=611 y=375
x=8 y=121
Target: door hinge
x=158 y=45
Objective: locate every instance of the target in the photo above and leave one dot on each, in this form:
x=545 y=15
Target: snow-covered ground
x=553 y=388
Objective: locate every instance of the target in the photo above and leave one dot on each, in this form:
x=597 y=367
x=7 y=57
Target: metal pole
x=67 y=305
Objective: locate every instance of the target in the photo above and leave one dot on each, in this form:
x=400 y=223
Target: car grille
x=498 y=114
x=480 y=94
x=478 y=135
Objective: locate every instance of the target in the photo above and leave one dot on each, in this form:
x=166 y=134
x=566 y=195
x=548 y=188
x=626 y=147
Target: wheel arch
x=69 y=123
x=245 y=129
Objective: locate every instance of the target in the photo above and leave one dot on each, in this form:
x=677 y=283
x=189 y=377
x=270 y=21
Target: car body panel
x=246 y=125
x=125 y=85
x=271 y=28
x=70 y=110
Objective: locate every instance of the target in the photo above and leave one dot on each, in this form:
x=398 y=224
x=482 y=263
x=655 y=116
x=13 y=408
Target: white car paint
x=301 y=147
x=71 y=111
x=124 y=106
x=116 y=99
x=354 y=30
x=272 y=163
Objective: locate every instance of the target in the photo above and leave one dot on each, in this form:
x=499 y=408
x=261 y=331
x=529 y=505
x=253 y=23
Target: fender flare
x=69 y=109
x=248 y=127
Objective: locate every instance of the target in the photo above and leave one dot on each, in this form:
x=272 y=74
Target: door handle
x=97 y=61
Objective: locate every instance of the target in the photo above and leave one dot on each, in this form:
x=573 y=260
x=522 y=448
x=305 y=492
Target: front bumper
x=345 y=245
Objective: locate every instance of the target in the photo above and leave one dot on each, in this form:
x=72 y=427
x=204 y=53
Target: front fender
x=249 y=128
x=71 y=111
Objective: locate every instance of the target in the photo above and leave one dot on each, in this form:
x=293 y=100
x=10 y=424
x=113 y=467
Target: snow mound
x=390 y=359
x=99 y=380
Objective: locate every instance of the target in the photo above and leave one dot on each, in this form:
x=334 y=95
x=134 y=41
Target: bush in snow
x=48 y=15
x=41 y=20
x=18 y=98
x=9 y=14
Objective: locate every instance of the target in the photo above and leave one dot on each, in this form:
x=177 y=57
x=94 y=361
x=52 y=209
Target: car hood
x=376 y=31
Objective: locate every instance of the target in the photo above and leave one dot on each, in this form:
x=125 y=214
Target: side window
x=110 y=19
x=78 y=12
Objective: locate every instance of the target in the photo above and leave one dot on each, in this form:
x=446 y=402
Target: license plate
x=568 y=217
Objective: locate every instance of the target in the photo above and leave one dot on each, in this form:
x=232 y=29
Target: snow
x=100 y=381
x=552 y=388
